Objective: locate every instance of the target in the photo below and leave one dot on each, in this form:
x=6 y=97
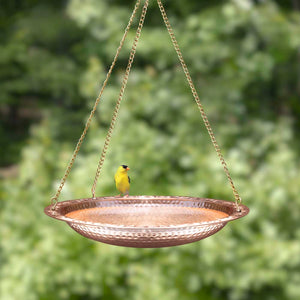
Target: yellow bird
x=122 y=180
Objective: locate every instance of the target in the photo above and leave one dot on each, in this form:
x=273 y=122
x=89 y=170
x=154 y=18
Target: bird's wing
x=128 y=179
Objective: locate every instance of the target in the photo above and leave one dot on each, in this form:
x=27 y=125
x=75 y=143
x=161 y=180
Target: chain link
x=199 y=104
x=88 y=122
x=118 y=104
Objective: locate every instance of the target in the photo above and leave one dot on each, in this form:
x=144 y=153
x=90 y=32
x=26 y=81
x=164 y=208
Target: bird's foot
x=127 y=195
x=118 y=195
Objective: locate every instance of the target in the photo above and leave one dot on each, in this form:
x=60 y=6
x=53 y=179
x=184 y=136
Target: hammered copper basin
x=146 y=221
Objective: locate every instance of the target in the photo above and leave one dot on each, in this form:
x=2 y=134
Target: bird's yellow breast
x=122 y=182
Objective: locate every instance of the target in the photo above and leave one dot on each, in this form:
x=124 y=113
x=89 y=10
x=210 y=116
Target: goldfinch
x=122 y=180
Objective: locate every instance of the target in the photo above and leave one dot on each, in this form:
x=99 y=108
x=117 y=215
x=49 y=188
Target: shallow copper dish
x=146 y=221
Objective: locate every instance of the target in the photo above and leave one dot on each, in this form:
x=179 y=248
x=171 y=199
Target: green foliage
x=40 y=63
x=243 y=58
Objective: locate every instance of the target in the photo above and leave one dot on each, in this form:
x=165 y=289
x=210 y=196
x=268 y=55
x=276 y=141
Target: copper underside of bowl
x=146 y=221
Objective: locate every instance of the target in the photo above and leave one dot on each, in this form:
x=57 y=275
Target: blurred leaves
x=244 y=61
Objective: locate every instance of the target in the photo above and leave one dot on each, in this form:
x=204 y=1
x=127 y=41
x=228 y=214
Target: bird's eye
x=124 y=166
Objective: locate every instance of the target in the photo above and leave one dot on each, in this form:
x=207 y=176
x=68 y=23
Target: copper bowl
x=146 y=221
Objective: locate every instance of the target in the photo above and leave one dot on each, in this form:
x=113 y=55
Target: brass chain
x=199 y=104
x=54 y=199
x=118 y=104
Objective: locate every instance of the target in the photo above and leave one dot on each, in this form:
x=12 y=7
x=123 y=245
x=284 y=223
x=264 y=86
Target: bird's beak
x=127 y=169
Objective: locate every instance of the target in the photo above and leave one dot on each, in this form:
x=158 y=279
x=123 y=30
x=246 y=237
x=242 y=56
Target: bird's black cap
x=124 y=166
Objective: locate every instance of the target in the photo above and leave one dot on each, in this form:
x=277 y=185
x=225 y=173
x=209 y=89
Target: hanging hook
x=238 y=202
x=93 y=193
x=53 y=202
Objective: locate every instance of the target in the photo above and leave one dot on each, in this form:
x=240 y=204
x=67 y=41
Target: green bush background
x=244 y=57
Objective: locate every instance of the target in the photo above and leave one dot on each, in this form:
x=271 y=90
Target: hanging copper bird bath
x=145 y=221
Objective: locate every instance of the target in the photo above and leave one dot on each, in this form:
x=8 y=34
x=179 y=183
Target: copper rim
x=65 y=207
